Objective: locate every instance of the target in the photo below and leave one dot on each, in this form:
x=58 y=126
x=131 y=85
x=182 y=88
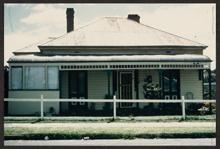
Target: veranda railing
x=114 y=101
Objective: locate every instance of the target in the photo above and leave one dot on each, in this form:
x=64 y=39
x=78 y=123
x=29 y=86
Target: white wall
x=98 y=86
x=189 y=82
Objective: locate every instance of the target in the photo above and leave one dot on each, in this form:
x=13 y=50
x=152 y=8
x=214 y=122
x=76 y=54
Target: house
x=110 y=56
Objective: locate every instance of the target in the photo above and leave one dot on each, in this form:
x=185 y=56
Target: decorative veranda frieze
x=133 y=66
x=120 y=65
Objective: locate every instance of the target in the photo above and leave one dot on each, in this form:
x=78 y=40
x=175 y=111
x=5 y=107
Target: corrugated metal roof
x=112 y=58
x=114 y=31
x=32 y=48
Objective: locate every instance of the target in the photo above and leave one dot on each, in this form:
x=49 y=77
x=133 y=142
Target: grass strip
x=108 y=133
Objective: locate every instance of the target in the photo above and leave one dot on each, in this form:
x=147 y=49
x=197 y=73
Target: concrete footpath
x=115 y=142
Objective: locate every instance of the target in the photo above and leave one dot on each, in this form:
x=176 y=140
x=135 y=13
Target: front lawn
x=133 y=127
x=108 y=133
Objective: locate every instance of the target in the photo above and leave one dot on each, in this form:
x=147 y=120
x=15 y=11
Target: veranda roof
x=110 y=58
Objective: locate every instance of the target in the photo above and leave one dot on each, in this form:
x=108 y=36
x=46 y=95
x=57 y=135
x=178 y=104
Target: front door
x=77 y=89
x=126 y=88
x=171 y=84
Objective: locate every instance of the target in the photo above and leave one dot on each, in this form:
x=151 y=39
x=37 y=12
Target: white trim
x=121 y=65
x=111 y=100
x=131 y=66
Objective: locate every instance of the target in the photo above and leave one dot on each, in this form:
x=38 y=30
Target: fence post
x=114 y=107
x=42 y=107
x=183 y=108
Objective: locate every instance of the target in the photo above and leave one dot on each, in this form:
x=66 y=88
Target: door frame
x=133 y=86
x=170 y=73
x=78 y=104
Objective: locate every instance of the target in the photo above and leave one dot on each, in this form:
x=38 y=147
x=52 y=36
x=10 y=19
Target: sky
x=25 y=24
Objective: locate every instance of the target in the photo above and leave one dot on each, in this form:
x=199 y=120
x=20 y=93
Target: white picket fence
x=114 y=101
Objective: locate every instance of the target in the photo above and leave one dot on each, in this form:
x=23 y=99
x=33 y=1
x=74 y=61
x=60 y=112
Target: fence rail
x=183 y=101
x=111 y=100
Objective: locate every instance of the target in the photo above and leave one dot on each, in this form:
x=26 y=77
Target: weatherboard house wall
x=110 y=56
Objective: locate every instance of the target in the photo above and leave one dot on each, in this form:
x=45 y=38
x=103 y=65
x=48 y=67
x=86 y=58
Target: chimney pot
x=70 y=19
x=134 y=17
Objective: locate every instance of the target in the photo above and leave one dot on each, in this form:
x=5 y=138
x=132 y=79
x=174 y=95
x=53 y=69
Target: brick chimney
x=134 y=17
x=70 y=19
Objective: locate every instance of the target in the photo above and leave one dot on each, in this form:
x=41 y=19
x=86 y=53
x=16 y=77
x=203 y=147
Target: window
x=166 y=84
x=35 y=77
x=52 y=77
x=174 y=85
x=16 y=78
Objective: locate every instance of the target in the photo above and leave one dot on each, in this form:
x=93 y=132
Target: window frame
x=24 y=81
x=170 y=73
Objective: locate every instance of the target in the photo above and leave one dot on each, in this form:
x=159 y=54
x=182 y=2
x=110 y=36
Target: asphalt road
x=114 y=142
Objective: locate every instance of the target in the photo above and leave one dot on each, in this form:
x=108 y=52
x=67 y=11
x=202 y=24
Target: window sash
x=16 y=77
x=52 y=77
x=35 y=77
